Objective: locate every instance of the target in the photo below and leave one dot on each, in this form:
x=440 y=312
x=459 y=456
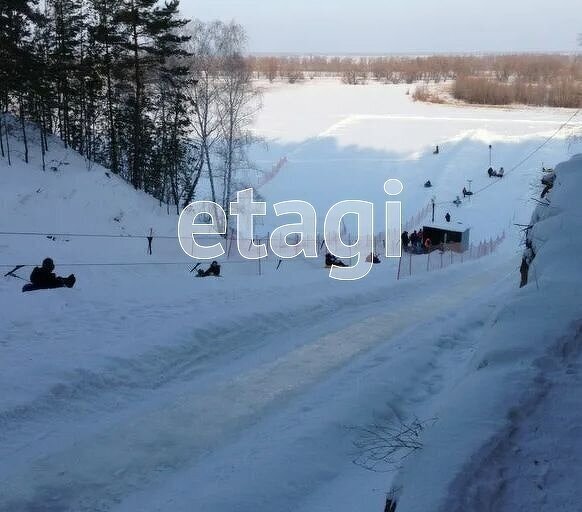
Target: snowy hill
x=144 y=388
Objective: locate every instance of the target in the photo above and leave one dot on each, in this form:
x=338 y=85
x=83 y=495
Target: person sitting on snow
x=213 y=270
x=428 y=184
x=501 y=172
x=331 y=260
x=490 y=172
x=373 y=258
x=43 y=278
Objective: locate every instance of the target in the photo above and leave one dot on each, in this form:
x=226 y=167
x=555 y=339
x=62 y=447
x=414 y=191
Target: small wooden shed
x=455 y=237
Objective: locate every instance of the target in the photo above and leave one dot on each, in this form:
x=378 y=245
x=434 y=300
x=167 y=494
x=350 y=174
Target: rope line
x=82 y=235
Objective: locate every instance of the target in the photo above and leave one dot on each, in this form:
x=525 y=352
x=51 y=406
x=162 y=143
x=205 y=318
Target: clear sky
x=399 y=26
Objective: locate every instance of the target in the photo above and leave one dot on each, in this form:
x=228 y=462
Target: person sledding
x=428 y=184
x=212 y=271
x=466 y=192
x=331 y=260
x=373 y=258
x=43 y=278
x=496 y=174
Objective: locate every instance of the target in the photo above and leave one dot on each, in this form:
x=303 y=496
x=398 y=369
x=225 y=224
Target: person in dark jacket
x=212 y=271
x=524 y=271
x=448 y=217
x=405 y=240
x=331 y=260
x=43 y=278
x=414 y=239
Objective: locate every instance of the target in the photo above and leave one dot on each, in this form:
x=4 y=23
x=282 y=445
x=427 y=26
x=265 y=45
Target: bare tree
x=238 y=102
x=387 y=444
x=205 y=49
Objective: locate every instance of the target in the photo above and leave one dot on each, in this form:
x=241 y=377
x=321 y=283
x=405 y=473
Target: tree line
x=534 y=79
x=163 y=102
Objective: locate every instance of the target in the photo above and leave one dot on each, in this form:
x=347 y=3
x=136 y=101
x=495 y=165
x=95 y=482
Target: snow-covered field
x=145 y=389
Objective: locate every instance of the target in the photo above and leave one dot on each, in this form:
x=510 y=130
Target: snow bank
x=508 y=375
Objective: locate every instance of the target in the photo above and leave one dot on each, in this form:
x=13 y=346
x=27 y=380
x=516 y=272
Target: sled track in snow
x=91 y=472
x=79 y=393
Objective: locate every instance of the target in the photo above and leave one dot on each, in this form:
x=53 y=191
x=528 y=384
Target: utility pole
x=433 y=204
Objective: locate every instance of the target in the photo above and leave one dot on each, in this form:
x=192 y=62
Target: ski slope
x=145 y=389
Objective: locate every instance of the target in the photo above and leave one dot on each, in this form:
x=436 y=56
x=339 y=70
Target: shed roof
x=449 y=226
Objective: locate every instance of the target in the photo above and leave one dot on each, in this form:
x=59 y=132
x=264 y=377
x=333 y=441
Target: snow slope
x=145 y=389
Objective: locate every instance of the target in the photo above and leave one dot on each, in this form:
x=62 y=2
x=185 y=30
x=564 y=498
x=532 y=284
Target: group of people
x=495 y=174
x=415 y=242
x=331 y=260
x=44 y=277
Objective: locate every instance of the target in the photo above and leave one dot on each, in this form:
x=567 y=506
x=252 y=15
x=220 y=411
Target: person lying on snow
x=213 y=270
x=330 y=260
x=43 y=278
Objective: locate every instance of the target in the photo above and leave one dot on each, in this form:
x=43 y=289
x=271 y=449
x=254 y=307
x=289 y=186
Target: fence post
x=399 y=265
x=428 y=262
x=230 y=244
x=410 y=265
x=268 y=244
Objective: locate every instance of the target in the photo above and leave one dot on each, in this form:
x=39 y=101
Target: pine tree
x=148 y=37
x=17 y=62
